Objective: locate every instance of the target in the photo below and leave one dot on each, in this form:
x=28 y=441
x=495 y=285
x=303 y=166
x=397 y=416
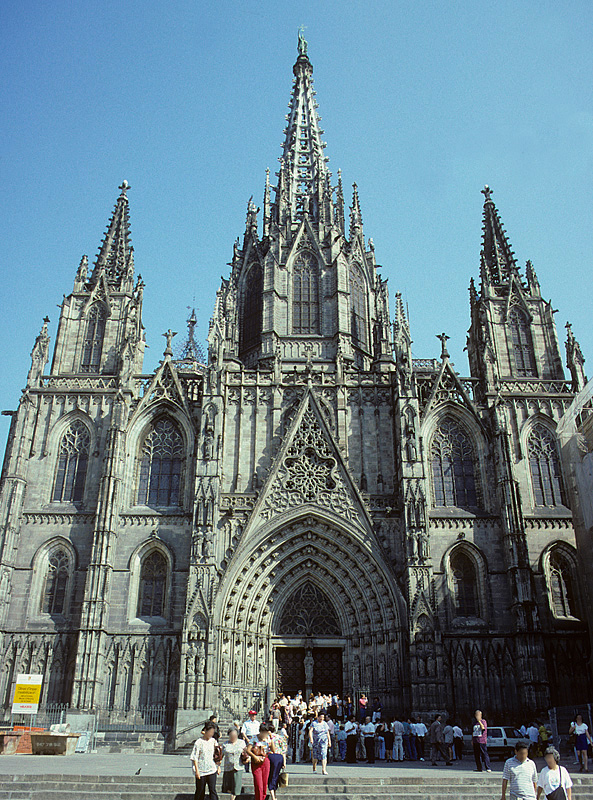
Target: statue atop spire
x=303 y=45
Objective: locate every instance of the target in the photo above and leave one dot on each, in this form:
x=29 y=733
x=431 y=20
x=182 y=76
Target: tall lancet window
x=561 y=585
x=465 y=585
x=93 y=339
x=358 y=307
x=544 y=465
x=522 y=345
x=251 y=309
x=161 y=465
x=153 y=583
x=453 y=471
x=305 y=295
x=72 y=464
x=57 y=577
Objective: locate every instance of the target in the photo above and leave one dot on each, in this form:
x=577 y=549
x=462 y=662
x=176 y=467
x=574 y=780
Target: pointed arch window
x=522 y=344
x=561 y=585
x=453 y=467
x=251 y=322
x=55 y=590
x=464 y=585
x=161 y=465
x=305 y=295
x=72 y=464
x=544 y=465
x=93 y=339
x=153 y=584
x=309 y=612
x=358 y=307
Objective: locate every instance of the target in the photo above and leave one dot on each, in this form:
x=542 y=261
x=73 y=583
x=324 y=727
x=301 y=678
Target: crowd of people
x=326 y=728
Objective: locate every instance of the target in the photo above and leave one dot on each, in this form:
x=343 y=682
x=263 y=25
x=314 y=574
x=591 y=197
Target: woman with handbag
x=232 y=769
x=260 y=763
x=205 y=768
x=583 y=739
x=554 y=780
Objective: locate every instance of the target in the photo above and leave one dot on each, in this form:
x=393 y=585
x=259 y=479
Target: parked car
x=501 y=741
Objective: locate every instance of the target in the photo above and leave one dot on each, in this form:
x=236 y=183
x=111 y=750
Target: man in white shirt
x=520 y=775
x=368 y=733
x=351 y=729
x=398 y=741
x=533 y=736
x=250 y=728
x=421 y=731
x=457 y=742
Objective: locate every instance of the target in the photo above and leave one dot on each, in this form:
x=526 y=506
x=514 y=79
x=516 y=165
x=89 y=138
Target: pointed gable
x=448 y=388
x=165 y=386
x=309 y=471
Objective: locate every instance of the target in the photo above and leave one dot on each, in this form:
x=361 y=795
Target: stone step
x=418 y=793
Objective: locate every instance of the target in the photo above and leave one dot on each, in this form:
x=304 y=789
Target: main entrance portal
x=293 y=670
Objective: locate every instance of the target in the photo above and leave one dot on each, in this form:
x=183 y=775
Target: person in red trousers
x=260 y=763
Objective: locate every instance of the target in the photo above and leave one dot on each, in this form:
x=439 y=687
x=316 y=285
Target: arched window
x=309 y=612
x=160 y=466
x=305 y=295
x=522 y=345
x=72 y=465
x=358 y=307
x=153 y=583
x=54 y=595
x=561 y=585
x=453 y=471
x=93 y=339
x=464 y=585
x=251 y=322
x=544 y=464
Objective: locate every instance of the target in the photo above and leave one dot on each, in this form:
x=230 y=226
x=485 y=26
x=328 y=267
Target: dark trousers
x=202 y=782
x=420 y=746
x=351 y=749
x=369 y=746
x=458 y=745
x=481 y=755
x=435 y=749
x=276 y=764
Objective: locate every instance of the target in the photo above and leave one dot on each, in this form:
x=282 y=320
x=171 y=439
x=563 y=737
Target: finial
x=487 y=192
x=302 y=46
x=169 y=337
x=444 y=339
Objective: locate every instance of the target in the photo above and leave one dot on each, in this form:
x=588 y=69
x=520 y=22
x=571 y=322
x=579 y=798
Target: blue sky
x=422 y=103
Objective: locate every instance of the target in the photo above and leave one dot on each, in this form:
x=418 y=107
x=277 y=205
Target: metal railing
x=135 y=720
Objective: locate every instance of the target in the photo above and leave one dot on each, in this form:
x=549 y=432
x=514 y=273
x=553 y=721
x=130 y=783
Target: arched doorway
x=308 y=645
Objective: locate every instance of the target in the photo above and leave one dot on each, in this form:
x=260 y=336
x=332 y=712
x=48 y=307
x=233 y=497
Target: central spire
x=303 y=170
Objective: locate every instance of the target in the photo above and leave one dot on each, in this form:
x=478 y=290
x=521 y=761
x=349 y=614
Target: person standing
x=421 y=730
x=320 y=739
x=398 y=740
x=409 y=739
x=458 y=742
x=260 y=763
x=204 y=767
x=362 y=707
x=250 y=730
x=389 y=737
x=553 y=776
x=480 y=742
x=520 y=775
x=232 y=774
x=581 y=730
x=448 y=739
x=351 y=730
x=436 y=742
x=368 y=732
x=342 y=743
x=533 y=734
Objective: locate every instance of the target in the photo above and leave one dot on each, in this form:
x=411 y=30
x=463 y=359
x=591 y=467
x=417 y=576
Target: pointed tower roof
x=302 y=164
x=498 y=260
x=116 y=254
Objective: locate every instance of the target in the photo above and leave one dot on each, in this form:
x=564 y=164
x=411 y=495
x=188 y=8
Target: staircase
x=436 y=786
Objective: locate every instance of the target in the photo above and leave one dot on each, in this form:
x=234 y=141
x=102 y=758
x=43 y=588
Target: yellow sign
x=27 y=693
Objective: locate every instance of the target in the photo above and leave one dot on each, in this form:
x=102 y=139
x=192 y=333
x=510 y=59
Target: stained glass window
x=161 y=465
x=358 y=319
x=251 y=323
x=309 y=612
x=544 y=464
x=93 y=340
x=453 y=470
x=305 y=295
x=56 y=583
x=153 y=582
x=465 y=588
x=72 y=464
x=522 y=344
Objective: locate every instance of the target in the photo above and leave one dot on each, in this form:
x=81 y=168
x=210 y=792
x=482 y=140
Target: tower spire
x=116 y=254
x=498 y=260
x=302 y=164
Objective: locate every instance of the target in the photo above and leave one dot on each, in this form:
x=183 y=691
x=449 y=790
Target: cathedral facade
x=312 y=508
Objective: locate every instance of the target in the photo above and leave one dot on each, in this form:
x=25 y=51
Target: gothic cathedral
x=311 y=509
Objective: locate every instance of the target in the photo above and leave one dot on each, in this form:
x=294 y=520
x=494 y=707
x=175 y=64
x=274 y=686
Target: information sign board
x=26 y=694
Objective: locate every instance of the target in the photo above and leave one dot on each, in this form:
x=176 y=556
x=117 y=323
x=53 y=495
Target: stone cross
x=487 y=192
x=444 y=339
